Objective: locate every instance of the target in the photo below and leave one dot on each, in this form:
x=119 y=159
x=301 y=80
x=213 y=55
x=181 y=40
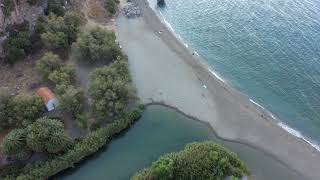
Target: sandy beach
x=165 y=71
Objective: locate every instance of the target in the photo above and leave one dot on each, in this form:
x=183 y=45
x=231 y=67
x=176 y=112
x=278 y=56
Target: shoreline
x=222 y=107
x=264 y=112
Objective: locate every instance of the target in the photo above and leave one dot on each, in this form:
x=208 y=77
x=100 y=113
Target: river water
x=162 y=130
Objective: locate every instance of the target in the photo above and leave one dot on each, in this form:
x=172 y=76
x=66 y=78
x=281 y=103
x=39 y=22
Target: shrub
x=26 y=109
x=57 y=33
x=110 y=90
x=14 y=145
x=8 y=7
x=97 y=45
x=17 y=46
x=19 y=111
x=71 y=100
x=49 y=63
x=34 y=2
x=65 y=75
x=201 y=161
x=47 y=135
x=111 y=6
x=56 y=7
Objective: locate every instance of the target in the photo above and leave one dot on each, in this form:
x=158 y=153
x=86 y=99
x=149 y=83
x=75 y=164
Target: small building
x=48 y=98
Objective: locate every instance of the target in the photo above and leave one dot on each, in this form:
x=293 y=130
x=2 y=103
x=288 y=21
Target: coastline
x=232 y=111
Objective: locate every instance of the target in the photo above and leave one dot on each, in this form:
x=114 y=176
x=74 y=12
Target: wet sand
x=166 y=72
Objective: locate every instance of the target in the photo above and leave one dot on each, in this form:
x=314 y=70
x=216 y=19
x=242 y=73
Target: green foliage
x=6 y=110
x=47 y=135
x=17 y=46
x=71 y=100
x=19 y=111
x=65 y=75
x=97 y=45
x=86 y=147
x=110 y=90
x=14 y=145
x=27 y=109
x=49 y=63
x=56 y=7
x=57 y=32
x=53 y=69
x=54 y=40
x=201 y=161
x=111 y=6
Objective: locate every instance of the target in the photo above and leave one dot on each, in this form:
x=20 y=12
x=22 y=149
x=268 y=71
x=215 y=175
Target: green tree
x=56 y=7
x=6 y=110
x=47 y=135
x=97 y=45
x=201 y=161
x=26 y=109
x=14 y=145
x=48 y=63
x=17 y=46
x=110 y=90
x=71 y=100
x=55 y=41
x=111 y=6
x=64 y=75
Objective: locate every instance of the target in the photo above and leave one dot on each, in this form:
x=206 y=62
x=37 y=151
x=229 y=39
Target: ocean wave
x=298 y=134
x=257 y=104
x=216 y=75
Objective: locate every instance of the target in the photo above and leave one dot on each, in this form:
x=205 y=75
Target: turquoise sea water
x=267 y=49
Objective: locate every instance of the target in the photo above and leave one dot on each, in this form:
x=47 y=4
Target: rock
x=131 y=10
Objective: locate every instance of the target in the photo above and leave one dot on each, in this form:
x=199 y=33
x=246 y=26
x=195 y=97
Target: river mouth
x=162 y=130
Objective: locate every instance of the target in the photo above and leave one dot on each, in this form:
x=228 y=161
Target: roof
x=46 y=94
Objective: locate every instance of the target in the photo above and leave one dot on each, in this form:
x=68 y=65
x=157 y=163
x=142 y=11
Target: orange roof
x=46 y=94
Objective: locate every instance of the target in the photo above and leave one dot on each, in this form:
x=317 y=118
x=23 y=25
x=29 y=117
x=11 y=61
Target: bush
x=34 y=2
x=110 y=90
x=14 y=145
x=49 y=63
x=6 y=110
x=19 y=111
x=86 y=147
x=57 y=33
x=56 y=7
x=8 y=7
x=65 y=75
x=201 y=161
x=71 y=100
x=97 y=45
x=111 y=6
x=26 y=109
x=47 y=135
x=17 y=46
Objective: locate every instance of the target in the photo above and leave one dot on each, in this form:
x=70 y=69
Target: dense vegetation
x=44 y=135
x=18 y=111
x=202 y=161
x=109 y=89
x=59 y=32
x=17 y=46
x=86 y=147
x=55 y=7
x=97 y=45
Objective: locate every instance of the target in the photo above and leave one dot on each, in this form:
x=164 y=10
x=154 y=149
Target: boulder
x=161 y=3
x=131 y=10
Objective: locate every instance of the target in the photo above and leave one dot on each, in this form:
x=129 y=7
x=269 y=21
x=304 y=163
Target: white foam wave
x=299 y=135
x=168 y=24
x=196 y=53
x=257 y=104
x=186 y=45
x=216 y=75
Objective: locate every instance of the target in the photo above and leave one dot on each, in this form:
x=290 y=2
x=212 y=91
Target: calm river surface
x=162 y=130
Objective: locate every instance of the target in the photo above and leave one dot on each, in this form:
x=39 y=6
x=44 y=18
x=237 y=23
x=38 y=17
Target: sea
x=267 y=49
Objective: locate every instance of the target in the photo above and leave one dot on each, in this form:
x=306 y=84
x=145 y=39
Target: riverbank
x=163 y=70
